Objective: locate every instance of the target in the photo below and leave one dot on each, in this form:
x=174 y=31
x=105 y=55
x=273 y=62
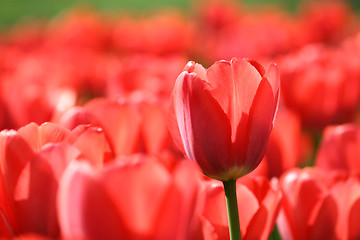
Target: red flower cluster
x=98 y=117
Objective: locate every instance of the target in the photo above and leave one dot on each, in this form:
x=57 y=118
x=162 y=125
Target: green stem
x=232 y=209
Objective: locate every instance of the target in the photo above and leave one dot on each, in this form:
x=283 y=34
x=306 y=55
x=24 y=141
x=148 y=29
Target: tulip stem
x=232 y=209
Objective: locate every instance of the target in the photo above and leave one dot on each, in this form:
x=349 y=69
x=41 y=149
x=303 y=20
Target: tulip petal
x=323 y=220
x=120 y=121
x=196 y=68
x=80 y=217
x=353 y=220
x=173 y=126
x=137 y=199
x=215 y=206
x=5 y=228
x=255 y=134
x=258 y=222
x=92 y=143
x=273 y=75
x=220 y=77
x=148 y=184
x=269 y=197
x=234 y=86
x=155 y=132
x=77 y=116
x=204 y=127
x=15 y=154
x=248 y=206
x=37 y=136
x=35 y=207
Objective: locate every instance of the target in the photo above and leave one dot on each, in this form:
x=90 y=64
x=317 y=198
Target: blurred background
x=12 y=11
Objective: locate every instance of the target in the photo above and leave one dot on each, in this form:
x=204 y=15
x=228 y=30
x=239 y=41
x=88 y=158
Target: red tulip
x=129 y=126
x=222 y=117
x=347 y=196
x=133 y=198
x=259 y=203
x=83 y=137
x=29 y=185
x=321 y=84
x=32 y=161
x=340 y=148
x=308 y=211
x=319 y=205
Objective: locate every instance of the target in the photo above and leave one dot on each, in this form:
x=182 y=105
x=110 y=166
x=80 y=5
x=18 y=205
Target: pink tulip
x=222 y=117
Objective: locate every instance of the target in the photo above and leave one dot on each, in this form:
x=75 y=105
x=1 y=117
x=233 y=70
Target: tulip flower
x=308 y=210
x=32 y=161
x=340 y=148
x=321 y=84
x=319 y=205
x=134 y=197
x=29 y=184
x=129 y=126
x=222 y=118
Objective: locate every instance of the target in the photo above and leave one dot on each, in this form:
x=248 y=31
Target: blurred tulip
x=145 y=73
x=319 y=205
x=340 y=148
x=32 y=161
x=258 y=201
x=222 y=117
x=27 y=99
x=161 y=34
x=135 y=198
x=308 y=210
x=347 y=196
x=29 y=184
x=130 y=125
x=83 y=137
x=326 y=21
x=321 y=85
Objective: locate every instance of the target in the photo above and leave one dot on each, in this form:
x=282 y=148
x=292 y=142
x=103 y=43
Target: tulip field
x=171 y=125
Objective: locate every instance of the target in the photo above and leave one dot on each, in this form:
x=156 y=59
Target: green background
x=12 y=11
